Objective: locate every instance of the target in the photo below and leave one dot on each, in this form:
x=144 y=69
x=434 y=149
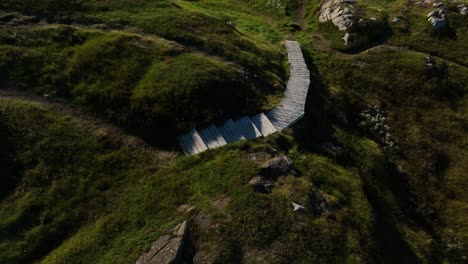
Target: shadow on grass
x=316 y=128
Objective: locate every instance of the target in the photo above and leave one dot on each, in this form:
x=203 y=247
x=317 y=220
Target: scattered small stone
x=345 y=38
x=298 y=208
x=262 y=185
x=430 y=62
x=231 y=24
x=185 y=208
x=462 y=9
x=396 y=19
x=374 y=120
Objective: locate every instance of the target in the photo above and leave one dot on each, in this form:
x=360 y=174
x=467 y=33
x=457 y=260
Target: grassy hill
x=383 y=139
x=211 y=70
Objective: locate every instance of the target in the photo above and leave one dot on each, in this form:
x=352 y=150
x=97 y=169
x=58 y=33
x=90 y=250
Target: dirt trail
x=301 y=14
x=91 y=123
x=386 y=47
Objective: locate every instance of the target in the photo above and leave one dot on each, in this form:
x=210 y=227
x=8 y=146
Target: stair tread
x=247 y=128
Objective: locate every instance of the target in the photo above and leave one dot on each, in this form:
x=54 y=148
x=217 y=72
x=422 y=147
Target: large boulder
x=342 y=13
x=167 y=249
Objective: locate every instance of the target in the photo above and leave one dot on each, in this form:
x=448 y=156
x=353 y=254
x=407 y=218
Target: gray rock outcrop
x=438 y=19
x=342 y=13
x=166 y=249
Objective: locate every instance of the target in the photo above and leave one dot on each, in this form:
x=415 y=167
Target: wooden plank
x=264 y=124
x=226 y=132
x=195 y=139
x=236 y=132
x=217 y=135
x=191 y=148
x=290 y=110
x=208 y=138
x=248 y=128
x=183 y=145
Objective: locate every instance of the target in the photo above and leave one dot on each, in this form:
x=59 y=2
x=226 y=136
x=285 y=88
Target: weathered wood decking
x=287 y=113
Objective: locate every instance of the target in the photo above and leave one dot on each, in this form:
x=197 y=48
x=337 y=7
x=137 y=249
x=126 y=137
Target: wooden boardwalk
x=290 y=110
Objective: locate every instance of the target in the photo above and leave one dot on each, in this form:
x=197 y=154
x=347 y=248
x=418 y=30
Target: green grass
x=114 y=73
x=107 y=203
x=73 y=196
x=427 y=115
x=135 y=81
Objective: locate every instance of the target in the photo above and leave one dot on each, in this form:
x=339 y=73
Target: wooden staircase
x=290 y=110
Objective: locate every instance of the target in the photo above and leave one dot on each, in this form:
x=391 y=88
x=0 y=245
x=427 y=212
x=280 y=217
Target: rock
x=438 y=19
x=430 y=62
x=346 y=38
x=262 y=185
x=318 y=202
x=231 y=24
x=341 y=13
x=462 y=9
x=298 y=208
x=438 y=4
x=277 y=167
x=396 y=20
x=185 y=208
x=166 y=249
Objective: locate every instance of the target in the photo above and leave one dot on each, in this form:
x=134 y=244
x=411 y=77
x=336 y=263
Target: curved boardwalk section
x=290 y=110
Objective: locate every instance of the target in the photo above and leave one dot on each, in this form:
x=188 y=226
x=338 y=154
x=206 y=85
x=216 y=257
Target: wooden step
x=264 y=124
x=212 y=137
x=247 y=128
x=186 y=148
x=192 y=143
x=231 y=131
x=290 y=110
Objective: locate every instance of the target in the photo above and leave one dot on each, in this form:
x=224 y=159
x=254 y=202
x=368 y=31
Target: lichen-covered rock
x=342 y=13
x=166 y=249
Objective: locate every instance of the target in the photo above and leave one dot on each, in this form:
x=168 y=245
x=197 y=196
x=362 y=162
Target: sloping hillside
x=94 y=93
